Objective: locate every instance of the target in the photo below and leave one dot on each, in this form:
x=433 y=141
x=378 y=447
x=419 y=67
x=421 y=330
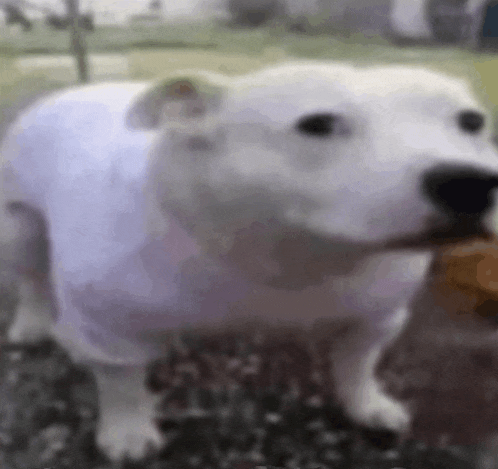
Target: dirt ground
x=244 y=399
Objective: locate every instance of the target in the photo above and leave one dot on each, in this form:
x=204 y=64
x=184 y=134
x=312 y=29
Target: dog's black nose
x=460 y=190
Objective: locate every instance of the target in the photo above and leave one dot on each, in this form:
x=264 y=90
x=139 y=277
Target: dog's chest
x=168 y=283
x=118 y=311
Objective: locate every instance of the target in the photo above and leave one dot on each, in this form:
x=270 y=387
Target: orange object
x=471 y=269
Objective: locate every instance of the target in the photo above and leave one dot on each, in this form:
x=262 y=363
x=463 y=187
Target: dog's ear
x=175 y=99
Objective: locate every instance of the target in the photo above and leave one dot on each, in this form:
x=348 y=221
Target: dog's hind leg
x=34 y=314
x=24 y=262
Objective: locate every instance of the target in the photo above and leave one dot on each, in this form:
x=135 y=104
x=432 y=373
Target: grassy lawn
x=155 y=50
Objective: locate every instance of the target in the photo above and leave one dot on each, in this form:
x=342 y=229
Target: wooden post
x=78 y=48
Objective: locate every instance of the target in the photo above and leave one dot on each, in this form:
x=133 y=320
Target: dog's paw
x=127 y=413
x=134 y=436
x=374 y=409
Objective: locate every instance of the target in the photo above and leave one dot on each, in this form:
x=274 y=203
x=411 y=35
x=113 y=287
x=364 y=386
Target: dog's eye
x=317 y=125
x=471 y=121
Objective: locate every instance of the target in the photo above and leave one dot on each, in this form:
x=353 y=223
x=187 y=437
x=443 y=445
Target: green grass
x=17 y=90
x=154 y=50
x=121 y=39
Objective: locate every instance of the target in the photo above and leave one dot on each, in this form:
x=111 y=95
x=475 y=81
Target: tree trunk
x=78 y=48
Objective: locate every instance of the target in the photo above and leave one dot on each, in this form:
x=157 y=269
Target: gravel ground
x=233 y=401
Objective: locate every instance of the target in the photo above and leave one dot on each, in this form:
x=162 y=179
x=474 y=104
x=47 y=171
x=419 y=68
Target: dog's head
x=342 y=156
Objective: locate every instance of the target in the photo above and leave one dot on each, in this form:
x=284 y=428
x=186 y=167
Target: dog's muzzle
x=460 y=191
x=462 y=197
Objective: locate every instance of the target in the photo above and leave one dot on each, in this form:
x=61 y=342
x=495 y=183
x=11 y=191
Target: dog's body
x=284 y=195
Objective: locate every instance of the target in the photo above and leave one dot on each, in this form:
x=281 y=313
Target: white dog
x=300 y=192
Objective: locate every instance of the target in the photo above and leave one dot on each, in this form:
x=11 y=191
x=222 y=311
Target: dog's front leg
x=354 y=360
x=126 y=422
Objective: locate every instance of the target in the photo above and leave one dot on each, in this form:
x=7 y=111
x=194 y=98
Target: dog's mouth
x=460 y=228
x=294 y=258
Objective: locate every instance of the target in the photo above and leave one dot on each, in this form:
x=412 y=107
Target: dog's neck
x=362 y=278
x=295 y=259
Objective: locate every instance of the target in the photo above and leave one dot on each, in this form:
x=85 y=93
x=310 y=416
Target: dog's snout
x=460 y=190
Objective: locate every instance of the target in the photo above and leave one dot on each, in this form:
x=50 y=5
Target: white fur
x=122 y=270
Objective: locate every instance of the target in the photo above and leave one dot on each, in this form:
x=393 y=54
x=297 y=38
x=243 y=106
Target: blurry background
x=143 y=38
